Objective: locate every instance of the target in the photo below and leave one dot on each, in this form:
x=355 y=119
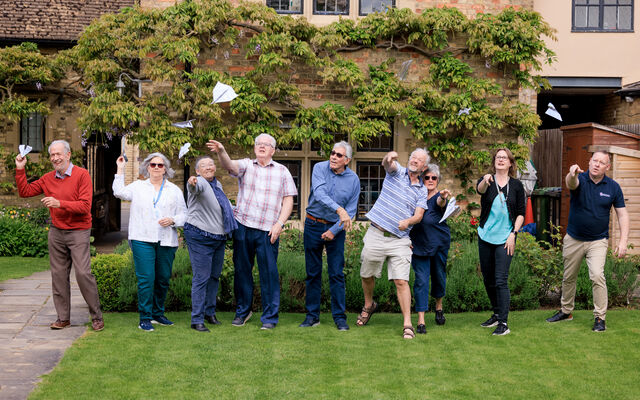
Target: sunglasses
x=156 y=165
x=335 y=153
x=430 y=178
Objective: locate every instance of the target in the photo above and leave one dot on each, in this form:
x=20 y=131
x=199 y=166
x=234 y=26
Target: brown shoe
x=60 y=324
x=97 y=324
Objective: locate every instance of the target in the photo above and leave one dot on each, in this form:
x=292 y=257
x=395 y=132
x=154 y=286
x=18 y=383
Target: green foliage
x=291 y=240
x=37 y=168
x=107 y=268
x=463 y=227
x=23 y=231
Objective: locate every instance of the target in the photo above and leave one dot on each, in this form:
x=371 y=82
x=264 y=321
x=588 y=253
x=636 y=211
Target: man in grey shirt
x=209 y=222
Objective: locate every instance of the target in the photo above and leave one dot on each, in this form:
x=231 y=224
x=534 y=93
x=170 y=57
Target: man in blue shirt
x=332 y=203
x=592 y=195
x=401 y=204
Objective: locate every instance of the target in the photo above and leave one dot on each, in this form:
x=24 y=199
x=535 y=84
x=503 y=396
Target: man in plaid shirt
x=264 y=203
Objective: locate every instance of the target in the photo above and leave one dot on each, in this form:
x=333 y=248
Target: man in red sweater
x=68 y=192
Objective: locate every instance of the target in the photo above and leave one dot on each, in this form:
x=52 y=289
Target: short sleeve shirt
x=590 y=207
x=431 y=235
x=260 y=193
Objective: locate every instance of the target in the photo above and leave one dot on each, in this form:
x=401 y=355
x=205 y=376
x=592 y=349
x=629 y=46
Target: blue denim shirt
x=330 y=191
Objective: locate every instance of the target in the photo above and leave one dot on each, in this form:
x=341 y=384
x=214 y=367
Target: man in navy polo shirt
x=592 y=195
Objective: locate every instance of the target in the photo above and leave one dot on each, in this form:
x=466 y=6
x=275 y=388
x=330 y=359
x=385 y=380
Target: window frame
x=362 y=14
x=286 y=11
x=297 y=180
x=601 y=7
x=42 y=133
x=362 y=146
x=365 y=204
x=316 y=12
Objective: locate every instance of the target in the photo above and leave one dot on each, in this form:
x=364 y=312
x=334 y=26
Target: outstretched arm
x=227 y=163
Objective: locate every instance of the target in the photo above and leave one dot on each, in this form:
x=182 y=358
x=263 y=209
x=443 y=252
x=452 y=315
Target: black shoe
x=599 y=325
x=239 y=321
x=440 y=319
x=560 y=316
x=309 y=322
x=493 y=321
x=200 y=327
x=421 y=329
x=342 y=325
x=501 y=330
x=268 y=326
x=212 y=319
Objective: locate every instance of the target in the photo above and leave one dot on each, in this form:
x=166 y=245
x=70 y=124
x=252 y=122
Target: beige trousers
x=68 y=247
x=573 y=252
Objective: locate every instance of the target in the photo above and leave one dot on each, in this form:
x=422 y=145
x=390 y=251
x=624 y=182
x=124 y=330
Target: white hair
x=423 y=151
x=168 y=172
x=266 y=135
x=67 y=147
x=434 y=169
x=201 y=159
x=347 y=148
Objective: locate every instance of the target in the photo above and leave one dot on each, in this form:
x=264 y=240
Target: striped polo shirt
x=397 y=201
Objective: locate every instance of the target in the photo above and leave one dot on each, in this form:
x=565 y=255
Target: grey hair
x=168 y=172
x=346 y=146
x=266 y=135
x=67 y=147
x=424 y=151
x=203 y=158
x=434 y=169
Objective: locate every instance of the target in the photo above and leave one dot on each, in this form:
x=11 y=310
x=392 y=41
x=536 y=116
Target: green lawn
x=460 y=360
x=19 y=267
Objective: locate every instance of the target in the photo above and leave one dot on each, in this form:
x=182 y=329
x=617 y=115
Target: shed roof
x=630 y=89
x=52 y=20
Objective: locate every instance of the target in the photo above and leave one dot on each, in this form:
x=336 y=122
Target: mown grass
x=460 y=360
x=19 y=267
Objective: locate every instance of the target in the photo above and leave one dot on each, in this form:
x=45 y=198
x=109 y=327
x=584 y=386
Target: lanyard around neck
x=506 y=196
x=155 y=200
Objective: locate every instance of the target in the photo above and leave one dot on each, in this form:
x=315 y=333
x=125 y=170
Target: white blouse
x=143 y=216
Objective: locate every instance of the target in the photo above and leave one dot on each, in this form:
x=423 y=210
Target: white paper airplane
x=404 y=69
x=451 y=209
x=24 y=149
x=184 y=124
x=223 y=93
x=552 y=112
x=184 y=149
x=464 y=111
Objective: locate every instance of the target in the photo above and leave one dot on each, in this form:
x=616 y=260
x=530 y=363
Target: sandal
x=408 y=332
x=362 y=320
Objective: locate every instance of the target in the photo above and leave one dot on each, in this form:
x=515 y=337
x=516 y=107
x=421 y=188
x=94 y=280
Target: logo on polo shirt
x=604 y=194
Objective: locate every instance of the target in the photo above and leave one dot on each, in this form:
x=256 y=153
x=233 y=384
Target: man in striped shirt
x=401 y=205
x=263 y=205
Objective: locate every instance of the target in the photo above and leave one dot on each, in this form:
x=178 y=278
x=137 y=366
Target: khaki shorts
x=378 y=249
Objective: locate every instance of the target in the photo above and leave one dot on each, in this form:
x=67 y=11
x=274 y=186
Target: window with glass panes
x=286 y=6
x=372 y=6
x=602 y=15
x=295 y=168
x=371 y=174
x=32 y=131
x=287 y=119
x=331 y=7
x=378 y=143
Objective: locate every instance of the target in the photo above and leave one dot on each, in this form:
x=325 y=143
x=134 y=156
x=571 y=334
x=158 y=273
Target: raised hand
x=575 y=169
x=20 y=161
x=215 y=146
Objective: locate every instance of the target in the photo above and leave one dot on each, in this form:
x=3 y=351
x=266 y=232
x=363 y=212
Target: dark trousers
x=207 y=257
x=434 y=266
x=67 y=247
x=495 y=263
x=153 y=269
x=250 y=244
x=313 y=246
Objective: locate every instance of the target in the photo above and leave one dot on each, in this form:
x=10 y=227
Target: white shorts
x=379 y=248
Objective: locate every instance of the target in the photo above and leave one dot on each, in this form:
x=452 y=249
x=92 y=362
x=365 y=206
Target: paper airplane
x=223 y=93
x=24 y=149
x=451 y=209
x=184 y=124
x=464 y=111
x=552 y=112
x=404 y=69
x=184 y=149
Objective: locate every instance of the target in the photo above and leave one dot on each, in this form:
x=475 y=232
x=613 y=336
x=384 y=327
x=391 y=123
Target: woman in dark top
x=501 y=217
x=430 y=239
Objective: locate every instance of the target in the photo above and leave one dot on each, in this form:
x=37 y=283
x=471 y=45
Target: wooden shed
x=579 y=143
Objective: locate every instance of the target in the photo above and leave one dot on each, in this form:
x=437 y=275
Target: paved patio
x=28 y=347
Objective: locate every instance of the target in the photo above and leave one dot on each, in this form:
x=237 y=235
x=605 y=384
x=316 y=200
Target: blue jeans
x=207 y=257
x=313 y=245
x=425 y=266
x=495 y=263
x=250 y=244
x=153 y=269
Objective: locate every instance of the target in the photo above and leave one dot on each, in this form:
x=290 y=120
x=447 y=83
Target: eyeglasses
x=156 y=165
x=598 y=162
x=263 y=145
x=335 y=153
x=502 y=158
x=432 y=178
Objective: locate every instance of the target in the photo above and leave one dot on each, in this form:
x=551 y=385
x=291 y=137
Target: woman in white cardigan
x=157 y=208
